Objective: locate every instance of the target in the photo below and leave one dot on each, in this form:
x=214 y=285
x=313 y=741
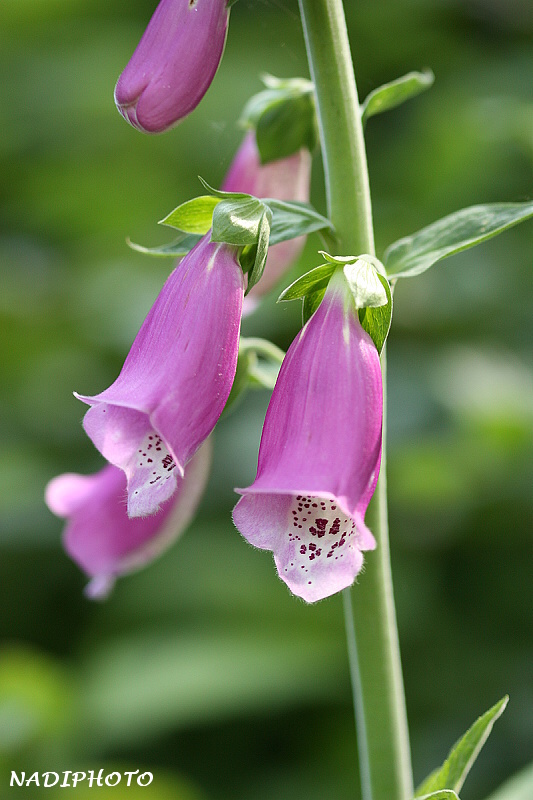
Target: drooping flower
x=285 y=179
x=173 y=64
x=99 y=535
x=320 y=453
x=176 y=378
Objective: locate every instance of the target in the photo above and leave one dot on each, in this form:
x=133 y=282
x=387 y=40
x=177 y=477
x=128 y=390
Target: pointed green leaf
x=261 y=252
x=443 y=794
x=377 y=321
x=194 y=216
x=453 y=772
x=311 y=303
x=238 y=221
x=396 y=92
x=292 y=219
x=175 y=249
x=459 y=231
x=223 y=195
x=519 y=787
x=316 y=279
x=338 y=260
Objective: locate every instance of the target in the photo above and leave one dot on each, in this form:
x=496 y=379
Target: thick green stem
x=383 y=741
x=341 y=131
x=378 y=667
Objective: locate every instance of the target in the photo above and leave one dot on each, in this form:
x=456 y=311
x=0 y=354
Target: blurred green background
x=203 y=669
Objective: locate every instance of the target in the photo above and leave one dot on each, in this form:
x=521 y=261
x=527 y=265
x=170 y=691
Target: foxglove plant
x=284 y=179
x=100 y=536
x=173 y=64
x=317 y=502
x=320 y=453
x=176 y=378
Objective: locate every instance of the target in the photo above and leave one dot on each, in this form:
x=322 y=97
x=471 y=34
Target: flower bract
x=176 y=378
x=173 y=64
x=320 y=453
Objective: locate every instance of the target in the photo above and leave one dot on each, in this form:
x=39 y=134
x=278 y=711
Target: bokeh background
x=203 y=669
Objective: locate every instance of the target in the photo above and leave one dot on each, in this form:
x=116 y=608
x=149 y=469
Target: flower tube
x=173 y=64
x=285 y=179
x=176 y=378
x=320 y=453
x=99 y=535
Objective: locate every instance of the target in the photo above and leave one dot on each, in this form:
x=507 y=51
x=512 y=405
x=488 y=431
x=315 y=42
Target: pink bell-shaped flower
x=176 y=378
x=99 y=535
x=285 y=179
x=173 y=64
x=320 y=453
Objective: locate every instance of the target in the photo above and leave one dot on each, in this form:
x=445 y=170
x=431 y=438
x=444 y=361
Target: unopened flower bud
x=174 y=63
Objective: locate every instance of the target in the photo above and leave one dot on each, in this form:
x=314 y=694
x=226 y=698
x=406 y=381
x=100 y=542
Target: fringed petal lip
x=100 y=536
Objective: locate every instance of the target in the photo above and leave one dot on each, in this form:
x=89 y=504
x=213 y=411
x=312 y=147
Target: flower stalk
x=384 y=754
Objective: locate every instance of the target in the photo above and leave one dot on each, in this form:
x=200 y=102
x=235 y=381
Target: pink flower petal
x=176 y=378
x=173 y=64
x=320 y=453
x=99 y=535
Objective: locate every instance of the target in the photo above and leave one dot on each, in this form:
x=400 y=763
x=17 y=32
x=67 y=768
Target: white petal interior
x=152 y=480
x=318 y=532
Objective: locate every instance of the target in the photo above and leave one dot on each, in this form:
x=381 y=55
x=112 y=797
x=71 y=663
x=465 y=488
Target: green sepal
x=466 y=228
x=362 y=274
x=292 y=219
x=312 y=282
x=371 y=293
x=235 y=216
x=193 y=216
x=365 y=284
x=310 y=287
x=222 y=195
x=258 y=366
x=238 y=221
x=261 y=250
x=453 y=772
x=176 y=249
x=242 y=220
x=284 y=118
x=311 y=303
x=377 y=321
x=395 y=93
x=442 y=794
